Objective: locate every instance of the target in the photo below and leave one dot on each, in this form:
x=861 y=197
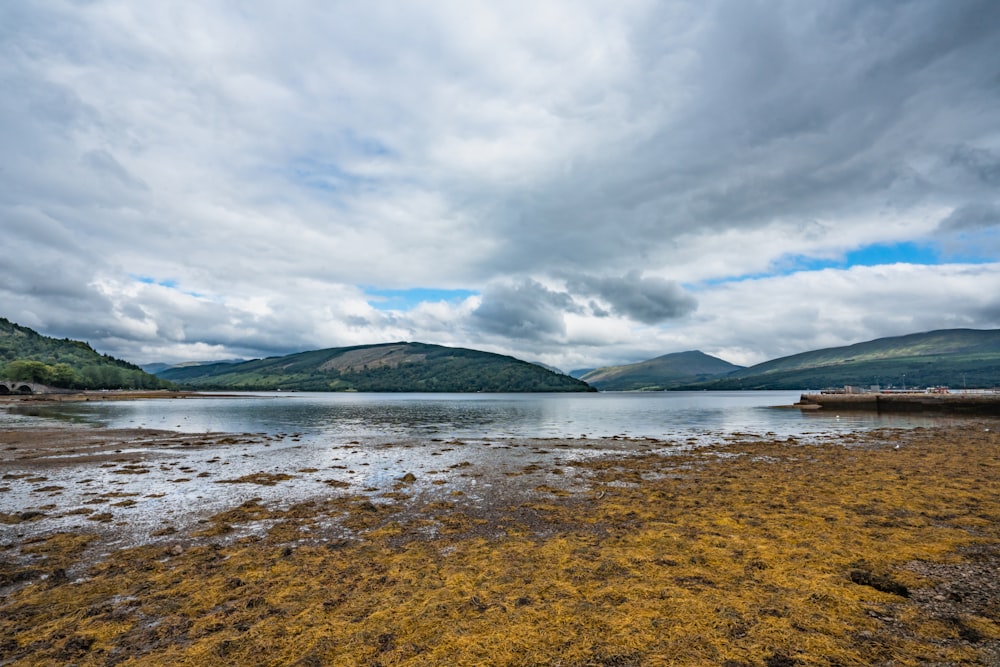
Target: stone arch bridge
x=14 y=387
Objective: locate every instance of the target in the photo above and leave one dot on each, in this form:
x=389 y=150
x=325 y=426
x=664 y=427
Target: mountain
x=27 y=356
x=158 y=367
x=954 y=357
x=387 y=367
x=663 y=372
x=557 y=371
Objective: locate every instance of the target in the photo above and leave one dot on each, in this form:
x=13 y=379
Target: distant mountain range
x=664 y=372
x=959 y=358
x=955 y=358
x=159 y=367
x=387 y=367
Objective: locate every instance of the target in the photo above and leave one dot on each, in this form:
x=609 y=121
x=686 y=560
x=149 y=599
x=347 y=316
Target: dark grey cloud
x=650 y=300
x=525 y=310
x=767 y=113
x=982 y=164
x=973 y=216
x=989 y=315
x=46 y=276
x=614 y=153
x=597 y=310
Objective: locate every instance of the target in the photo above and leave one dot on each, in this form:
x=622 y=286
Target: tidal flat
x=141 y=547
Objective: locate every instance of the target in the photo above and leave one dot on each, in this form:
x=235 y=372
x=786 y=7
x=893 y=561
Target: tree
x=24 y=370
x=63 y=375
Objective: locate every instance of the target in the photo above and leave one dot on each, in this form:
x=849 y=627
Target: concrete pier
x=972 y=404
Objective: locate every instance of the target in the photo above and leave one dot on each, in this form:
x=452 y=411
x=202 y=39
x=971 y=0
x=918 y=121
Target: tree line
x=27 y=356
x=89 y=376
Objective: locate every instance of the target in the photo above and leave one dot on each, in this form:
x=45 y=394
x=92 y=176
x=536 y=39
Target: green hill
x=27 y=356
x=955 y=357
x=663 y=372
x=387 y=367
x=158 y=368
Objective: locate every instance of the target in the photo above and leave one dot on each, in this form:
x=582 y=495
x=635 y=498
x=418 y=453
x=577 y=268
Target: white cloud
x=773 y=317
x=573 y=163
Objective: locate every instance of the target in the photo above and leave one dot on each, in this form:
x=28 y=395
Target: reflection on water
x=347 y=416
x=22 y=415
x=475 y=445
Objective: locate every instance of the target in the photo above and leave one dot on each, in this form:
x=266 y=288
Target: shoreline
x=753 y=551
x=107 y=395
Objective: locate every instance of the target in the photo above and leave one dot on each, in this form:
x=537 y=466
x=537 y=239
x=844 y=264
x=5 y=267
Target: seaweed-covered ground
x=878 y=548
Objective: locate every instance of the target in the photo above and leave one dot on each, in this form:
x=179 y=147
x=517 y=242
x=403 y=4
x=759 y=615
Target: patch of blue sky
x=407 y=299
x=927 y=253
x=907 y=252
x=169 y=283
x=149 y=280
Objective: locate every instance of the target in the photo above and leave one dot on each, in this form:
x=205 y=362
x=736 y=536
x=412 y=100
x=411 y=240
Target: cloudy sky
x=577 y=182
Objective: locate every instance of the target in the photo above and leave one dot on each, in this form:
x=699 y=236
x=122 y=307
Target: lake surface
x=488 y=448
x=350 y=416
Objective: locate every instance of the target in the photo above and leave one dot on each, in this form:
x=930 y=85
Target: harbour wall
x=972 y=404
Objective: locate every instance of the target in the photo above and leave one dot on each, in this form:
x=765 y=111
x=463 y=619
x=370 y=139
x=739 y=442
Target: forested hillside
x=957 y=358
x=27 y=356
x=665 y=372
x=396 y=367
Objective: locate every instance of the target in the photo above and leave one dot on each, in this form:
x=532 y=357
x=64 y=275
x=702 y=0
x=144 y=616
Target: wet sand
x=56 y=477
x=158 y=548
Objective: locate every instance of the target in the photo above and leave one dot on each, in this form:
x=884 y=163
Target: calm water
x=477 y=445
x=339 y=416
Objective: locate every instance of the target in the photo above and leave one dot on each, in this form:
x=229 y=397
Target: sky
x=579 y=183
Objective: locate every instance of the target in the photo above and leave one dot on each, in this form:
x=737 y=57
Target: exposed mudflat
x=158 y=548
x=126 y=486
